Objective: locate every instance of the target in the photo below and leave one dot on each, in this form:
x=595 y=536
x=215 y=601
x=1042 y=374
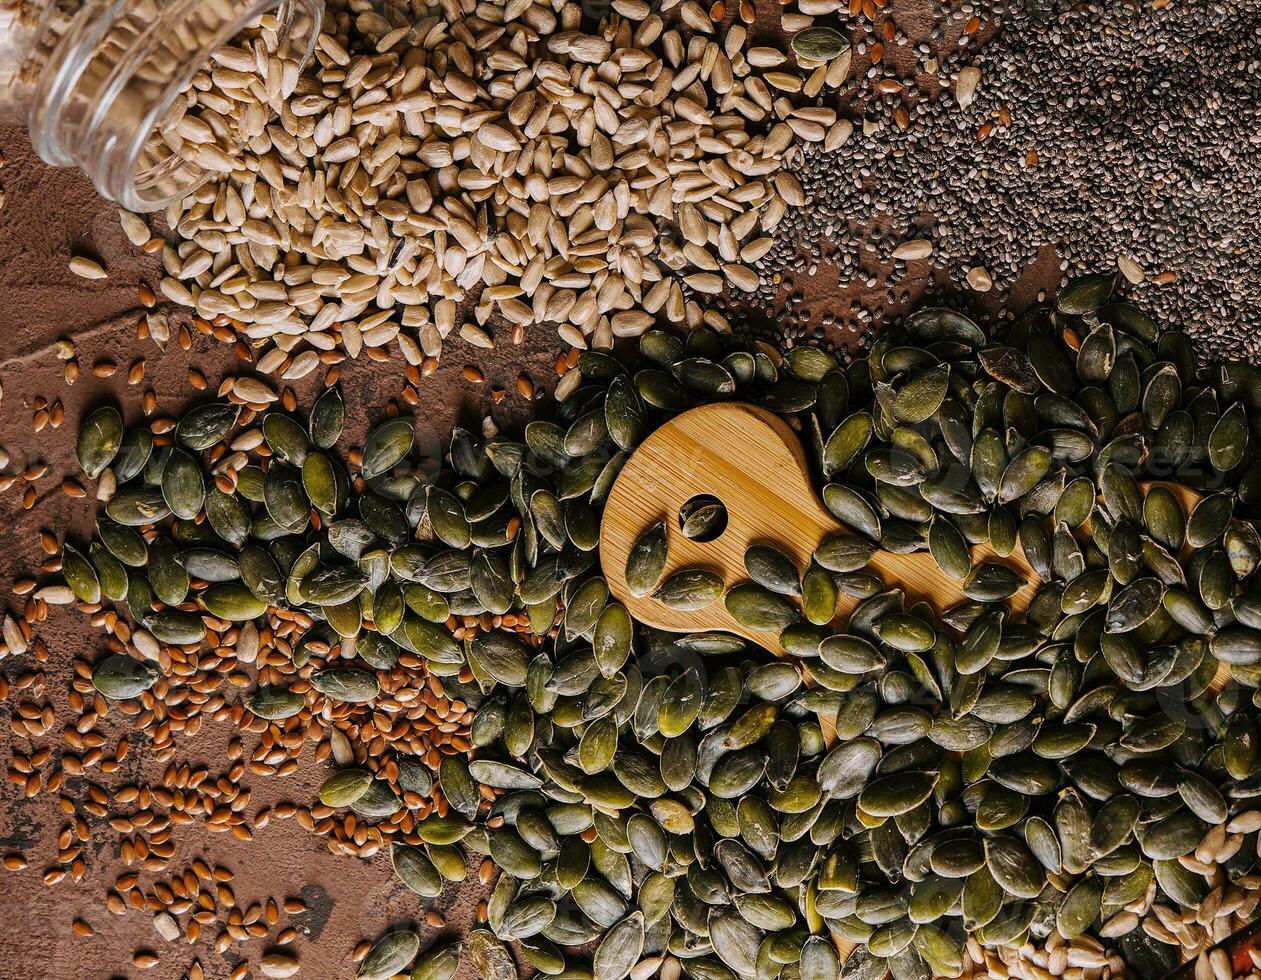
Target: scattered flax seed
x=474 y=375
x=104 y=368
x=425 y=723
x=81 y=928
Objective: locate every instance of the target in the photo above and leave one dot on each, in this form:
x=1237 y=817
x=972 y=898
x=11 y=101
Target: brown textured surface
x=48 y=214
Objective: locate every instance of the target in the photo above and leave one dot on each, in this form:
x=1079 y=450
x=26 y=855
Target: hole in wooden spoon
x=703 y=518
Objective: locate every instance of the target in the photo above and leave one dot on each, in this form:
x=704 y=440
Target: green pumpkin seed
x=328 y=415
x=1079 y=908
x=703 y=518
x=100 y=438
x=614 y=633
x=990 y=582
x=110 y=573
x=80 y=575
x=1085 y=294
x=391 y=954
x=286 y=438
x=690 y=589
x=819 y=44
x=949 y=548
x=647 y=560
x=320 y=483
x=624 y=413
x=897 y=794
x=844 y=553
x=346 y=684
x=845 y=443
x=345 y=787
x=233 y=601
x=760 y=609
x=414 y=869
x=275 y=703
x=386 y=446
x=921 y=397
x=1228 y=442
x=203 y=427
x=120 y=677
x=286 y=498
x=772 y=569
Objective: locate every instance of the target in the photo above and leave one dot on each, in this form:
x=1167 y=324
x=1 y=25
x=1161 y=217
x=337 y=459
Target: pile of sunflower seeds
x=1148 y=159
x=672 y=801
x=557 y=171
x=228 y=102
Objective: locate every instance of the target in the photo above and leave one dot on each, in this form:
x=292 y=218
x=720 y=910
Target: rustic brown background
x=49 y=215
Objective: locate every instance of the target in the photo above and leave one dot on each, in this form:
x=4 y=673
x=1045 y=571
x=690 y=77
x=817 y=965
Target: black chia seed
x=1117 y=131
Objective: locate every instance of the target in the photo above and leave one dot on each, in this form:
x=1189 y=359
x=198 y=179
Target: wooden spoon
x=754 y=463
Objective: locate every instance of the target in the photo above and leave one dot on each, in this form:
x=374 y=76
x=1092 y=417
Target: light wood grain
x=753 y=462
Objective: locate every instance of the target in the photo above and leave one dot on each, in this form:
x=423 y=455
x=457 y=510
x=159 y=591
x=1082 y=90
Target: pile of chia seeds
x=1120 y=132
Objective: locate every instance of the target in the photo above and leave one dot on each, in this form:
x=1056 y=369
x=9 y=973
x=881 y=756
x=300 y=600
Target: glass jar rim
x=130 y=183
x=65 y=134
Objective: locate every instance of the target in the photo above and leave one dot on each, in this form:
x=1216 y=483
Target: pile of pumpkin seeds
x=265 y=543
x=672 y=802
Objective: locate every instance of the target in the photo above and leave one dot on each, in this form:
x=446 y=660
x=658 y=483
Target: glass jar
x=103 y=84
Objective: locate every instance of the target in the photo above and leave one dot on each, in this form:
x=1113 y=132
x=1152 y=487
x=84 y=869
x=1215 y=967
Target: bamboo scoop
x=754 y=463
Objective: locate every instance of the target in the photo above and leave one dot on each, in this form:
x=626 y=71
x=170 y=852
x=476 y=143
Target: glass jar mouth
x=53 y=94
x=119 y=75
x=153 y=188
